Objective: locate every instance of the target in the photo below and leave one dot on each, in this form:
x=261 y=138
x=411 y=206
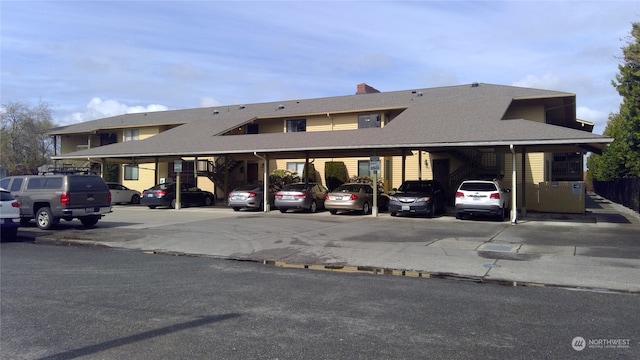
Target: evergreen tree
x=622 y=157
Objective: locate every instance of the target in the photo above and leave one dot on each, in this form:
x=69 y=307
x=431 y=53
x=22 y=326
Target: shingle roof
x=432 y=118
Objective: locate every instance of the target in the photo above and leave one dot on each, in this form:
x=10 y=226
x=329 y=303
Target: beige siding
x=275 y=126
x=69 y=143
x=318 y=123
x=146 y=132
x=526 y=110
x=345 y=121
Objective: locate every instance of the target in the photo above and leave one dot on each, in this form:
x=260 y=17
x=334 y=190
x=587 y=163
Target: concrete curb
x=369 y=270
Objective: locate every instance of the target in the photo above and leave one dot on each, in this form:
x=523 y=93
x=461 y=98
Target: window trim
x=130 y=174
x=289 y=125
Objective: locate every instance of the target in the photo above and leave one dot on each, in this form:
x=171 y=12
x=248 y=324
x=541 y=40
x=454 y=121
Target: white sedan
x=121 y=194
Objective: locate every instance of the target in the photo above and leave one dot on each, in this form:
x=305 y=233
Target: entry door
x=441 y=174
x=252 y=173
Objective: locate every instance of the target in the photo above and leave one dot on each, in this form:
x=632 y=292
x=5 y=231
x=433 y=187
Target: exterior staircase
x=476 y=165
x=218 y=171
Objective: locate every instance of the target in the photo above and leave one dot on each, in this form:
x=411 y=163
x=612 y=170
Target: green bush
x=281 y=177
x=367 y=180
x=335 y=174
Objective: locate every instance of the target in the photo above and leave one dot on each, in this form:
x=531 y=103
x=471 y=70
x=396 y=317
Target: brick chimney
x=366 y=89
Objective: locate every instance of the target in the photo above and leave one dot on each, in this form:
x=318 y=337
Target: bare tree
x=24 y=143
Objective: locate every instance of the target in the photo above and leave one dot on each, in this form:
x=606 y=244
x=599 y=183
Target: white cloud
x=208 y=102
x=98 y=108
x=547 y=81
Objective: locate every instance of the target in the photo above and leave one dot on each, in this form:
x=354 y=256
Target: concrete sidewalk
x=598 y=250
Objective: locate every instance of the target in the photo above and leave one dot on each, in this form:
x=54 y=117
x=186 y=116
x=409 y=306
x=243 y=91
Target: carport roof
x=429 y=119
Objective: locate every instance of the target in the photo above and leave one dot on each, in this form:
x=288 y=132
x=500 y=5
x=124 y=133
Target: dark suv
x=51 y=197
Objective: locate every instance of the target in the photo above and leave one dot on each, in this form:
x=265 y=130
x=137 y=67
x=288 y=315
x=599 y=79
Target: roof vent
x=241 y=107
x=280 y=107
x=216 y=112
x=420 y=93
x=475 y=84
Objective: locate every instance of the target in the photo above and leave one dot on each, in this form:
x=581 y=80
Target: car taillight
x=15 y=204
x=300 y=196
x=278 y=195
x=109 y=197
x=495 y=196
x=252 y=194
x=459 y=194
x=353 y=197
x=326 y=196
x=64 y=199
x=161 y=193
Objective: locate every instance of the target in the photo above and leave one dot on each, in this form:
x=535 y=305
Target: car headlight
x=393 y=198
x=423 y=199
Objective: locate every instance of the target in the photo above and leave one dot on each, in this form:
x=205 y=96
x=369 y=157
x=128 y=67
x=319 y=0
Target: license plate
x=89 y=210
x=406 y=207
x=338 y=197
x=149 y=195
x=476 y=198
x=287 y=197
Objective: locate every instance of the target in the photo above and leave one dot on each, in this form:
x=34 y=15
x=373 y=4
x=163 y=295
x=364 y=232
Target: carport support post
x=514 y=191
x=374 y=210
x=178 y=195
x=404 y=163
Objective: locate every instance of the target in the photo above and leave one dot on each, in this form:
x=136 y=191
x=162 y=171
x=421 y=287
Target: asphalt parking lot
x=596 y=250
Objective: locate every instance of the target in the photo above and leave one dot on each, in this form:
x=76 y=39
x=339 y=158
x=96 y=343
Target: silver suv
x=482 y=197
x=52 y=197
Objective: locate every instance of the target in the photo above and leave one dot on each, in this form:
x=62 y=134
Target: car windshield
x=478 y=186
x=296 y=187
x=349 y=188
x=417 y=186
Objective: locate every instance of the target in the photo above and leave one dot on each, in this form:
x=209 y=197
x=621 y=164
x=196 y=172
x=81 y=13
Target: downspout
x=265 y=183
x=514 y=195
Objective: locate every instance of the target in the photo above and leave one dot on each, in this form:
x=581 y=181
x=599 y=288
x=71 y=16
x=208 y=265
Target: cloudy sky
x=92 y=59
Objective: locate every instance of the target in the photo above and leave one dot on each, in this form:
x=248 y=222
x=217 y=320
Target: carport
x=479 y=116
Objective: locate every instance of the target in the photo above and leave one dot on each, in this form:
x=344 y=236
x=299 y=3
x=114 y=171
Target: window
x=296 y=125
x=297 y=167
x=131 y=134
x=252 y=128
x=131 y=172
x=363 y=168
x=368 y=121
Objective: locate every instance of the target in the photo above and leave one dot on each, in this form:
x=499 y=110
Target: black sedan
x=165 y=195
x=420 y=197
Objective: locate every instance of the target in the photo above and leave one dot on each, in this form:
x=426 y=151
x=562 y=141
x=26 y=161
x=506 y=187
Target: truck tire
x=89 y=220
x=45 y=219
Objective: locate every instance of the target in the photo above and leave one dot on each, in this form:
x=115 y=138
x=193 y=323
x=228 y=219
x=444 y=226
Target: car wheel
x=283 y=210
x=313 y=207
x=393 y=213
x=208 y=201
x=366 y=208
x=501 y=216
x=236 y=209
x=152 y=206
x=433 y=209
x=89 y=220
x=333 y=212
x=44 y=219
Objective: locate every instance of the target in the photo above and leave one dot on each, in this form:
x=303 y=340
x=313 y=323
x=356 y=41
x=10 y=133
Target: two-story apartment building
x=522 y=136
